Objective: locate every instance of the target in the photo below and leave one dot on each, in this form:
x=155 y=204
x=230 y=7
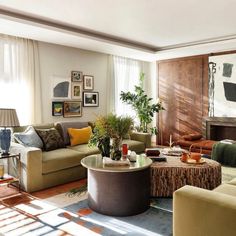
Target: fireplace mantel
x=218 y=128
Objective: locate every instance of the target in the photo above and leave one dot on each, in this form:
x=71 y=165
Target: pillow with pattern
x=29 y=138
x=51 y=139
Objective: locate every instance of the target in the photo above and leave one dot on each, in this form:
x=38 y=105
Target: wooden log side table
x=118 y=191
x=166 y=177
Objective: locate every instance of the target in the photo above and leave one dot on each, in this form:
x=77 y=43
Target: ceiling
x=143 y=29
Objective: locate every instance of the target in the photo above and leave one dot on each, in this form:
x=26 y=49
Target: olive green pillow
x=51 y=139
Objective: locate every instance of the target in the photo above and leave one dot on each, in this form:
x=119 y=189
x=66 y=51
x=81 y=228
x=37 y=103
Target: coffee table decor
x=115 y=163
x=110 y=128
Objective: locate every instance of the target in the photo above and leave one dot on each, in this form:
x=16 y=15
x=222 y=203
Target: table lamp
x=8 y=118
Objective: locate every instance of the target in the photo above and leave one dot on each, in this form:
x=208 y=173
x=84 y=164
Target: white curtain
x=123 y=76
x=20 y=78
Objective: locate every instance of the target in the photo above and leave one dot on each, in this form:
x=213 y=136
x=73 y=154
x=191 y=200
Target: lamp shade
x=8 y=118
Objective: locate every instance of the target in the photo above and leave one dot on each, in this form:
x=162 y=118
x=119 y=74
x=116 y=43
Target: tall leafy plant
x=143 y=105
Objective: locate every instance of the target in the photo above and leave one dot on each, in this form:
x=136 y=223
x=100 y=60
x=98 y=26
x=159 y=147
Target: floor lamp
x=8 y=118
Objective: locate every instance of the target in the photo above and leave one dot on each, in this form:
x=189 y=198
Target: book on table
x=6 y=178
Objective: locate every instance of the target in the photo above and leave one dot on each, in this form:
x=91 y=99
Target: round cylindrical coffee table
x=118 y=191
x=166 y=177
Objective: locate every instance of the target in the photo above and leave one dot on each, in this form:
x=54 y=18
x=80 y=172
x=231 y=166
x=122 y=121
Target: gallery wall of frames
x=70 y=95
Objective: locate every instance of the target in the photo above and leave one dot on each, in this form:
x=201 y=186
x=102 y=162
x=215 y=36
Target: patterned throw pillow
x=29 y=138
x=51 y=139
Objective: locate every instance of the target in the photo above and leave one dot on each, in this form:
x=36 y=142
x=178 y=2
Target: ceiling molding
x=76 y=30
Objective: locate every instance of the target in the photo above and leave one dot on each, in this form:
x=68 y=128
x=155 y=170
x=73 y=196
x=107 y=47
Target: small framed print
x=76 y=76
x=90 y=99
x=72 y=108
x=76 y=91
x=88 y=82
x=57 y=108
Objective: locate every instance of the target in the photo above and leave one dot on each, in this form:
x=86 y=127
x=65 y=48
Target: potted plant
x=143 y=106
x=110 y=127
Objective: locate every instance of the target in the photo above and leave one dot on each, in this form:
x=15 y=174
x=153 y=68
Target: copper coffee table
x=166 y=177
x=118 y=191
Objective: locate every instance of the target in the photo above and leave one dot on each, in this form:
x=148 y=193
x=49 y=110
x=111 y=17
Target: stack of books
x=112 y=163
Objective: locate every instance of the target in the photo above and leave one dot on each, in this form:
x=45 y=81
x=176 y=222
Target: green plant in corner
x=143 y=106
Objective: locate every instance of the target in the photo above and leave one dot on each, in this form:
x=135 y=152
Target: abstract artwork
x=222 y=85
x=61 y=88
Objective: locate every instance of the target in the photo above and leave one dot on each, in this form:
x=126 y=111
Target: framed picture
x=72 y=108
x=61 y=87
x=76 y=91
x=76 y=76
x=57 y=108
x=88 y=82
x=90 y=99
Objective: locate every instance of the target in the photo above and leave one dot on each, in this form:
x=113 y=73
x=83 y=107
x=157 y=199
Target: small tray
x=192 y=161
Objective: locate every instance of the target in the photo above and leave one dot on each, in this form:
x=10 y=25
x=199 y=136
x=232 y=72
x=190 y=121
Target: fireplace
x=219 y=128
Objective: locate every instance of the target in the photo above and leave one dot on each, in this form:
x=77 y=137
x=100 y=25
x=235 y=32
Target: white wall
x=56 y=60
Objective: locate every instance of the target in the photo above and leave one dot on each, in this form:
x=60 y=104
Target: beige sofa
x=41 y=169
x=201 y=212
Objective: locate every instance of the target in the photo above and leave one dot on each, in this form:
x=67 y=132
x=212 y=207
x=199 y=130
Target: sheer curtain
x=20 y=78
x=123 y=76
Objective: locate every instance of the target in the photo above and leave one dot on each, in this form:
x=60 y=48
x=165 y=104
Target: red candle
x=125 y=149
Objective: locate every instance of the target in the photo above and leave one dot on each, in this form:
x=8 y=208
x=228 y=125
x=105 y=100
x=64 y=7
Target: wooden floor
x=11 y=196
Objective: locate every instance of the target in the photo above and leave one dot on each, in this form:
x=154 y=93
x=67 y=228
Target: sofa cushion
x=84 y=148
x=51 y=139
x=62 y=127
x=60 y=159
x=233 y=182
x=191 y=137
x=79 y=136
x=29 y=138
x=226 y=189
x=133 y=145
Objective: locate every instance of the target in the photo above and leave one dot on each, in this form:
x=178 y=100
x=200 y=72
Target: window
x=18 y=78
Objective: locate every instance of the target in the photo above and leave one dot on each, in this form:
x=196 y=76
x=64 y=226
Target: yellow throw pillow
x=79 y=136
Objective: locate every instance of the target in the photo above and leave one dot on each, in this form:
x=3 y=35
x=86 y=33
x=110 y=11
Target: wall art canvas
x=76 y=76
x=76 y=91
x=72 y=108
x=61 y=87
x=222 y=85
x=90 y=99
x=57 y=108
x=88 y=82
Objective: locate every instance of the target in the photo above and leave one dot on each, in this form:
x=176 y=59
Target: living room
x=62 y=68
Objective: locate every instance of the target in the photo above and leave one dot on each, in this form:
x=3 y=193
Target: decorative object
x=142 y=105
x=72 y=108
x=61 y=88
x=76 y=76
x=51 y=139
x=29 y=138
x=8 y=118
x=110 y=127
x=90 y=99
x=170 y=142
x=222 y=85
x=88 y=82
x=57 y=108
x=79 y=136
x=76 y=90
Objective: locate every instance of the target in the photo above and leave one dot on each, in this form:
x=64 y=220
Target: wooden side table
x=7 y=178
